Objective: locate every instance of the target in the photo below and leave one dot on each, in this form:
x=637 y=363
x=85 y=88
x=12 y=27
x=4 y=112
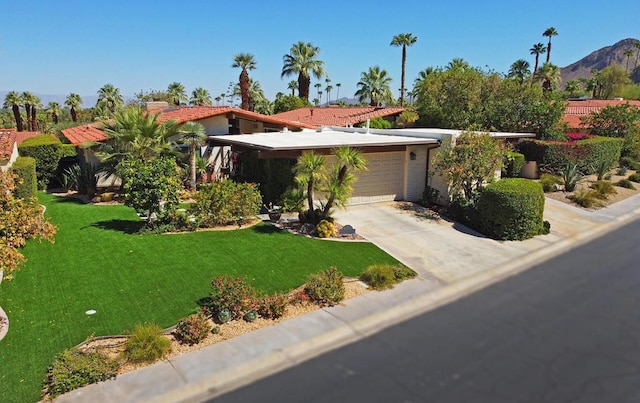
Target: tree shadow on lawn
x=266 y=229
x=127 y=226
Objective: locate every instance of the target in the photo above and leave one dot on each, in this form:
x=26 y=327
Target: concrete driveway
x=441 y=250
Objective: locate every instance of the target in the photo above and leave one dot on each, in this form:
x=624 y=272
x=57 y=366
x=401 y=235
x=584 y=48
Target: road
x=567 y=330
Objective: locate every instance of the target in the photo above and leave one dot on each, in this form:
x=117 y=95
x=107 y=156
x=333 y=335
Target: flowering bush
x=578 y=136
x=233 y=294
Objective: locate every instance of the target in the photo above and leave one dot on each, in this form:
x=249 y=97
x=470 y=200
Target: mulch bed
x=296 y=227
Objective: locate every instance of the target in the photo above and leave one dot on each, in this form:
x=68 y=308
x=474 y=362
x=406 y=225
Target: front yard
x=97 y=262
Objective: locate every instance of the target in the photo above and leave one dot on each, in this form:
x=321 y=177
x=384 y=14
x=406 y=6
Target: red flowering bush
x=233 y=294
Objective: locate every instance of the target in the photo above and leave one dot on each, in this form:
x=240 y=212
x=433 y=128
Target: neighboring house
x=398 y=160
x=9 y=142
x=347 y=116
x=576 y=109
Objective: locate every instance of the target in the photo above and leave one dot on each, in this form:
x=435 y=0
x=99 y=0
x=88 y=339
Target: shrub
x=379 y=277
x=585 y=198
x=274 y=306
x=233 y=294
x=81 y=177
x=25 y=169
x=402 y=273
x=630 y=163
x=326 y=287
x=146 y=344
x=549 y=182
x=602 y=170
x=430 y=196
x=215 y=330
x=511 y=209
x=46 y=150
x=74 y=369
x=225 y=202
x=625 y=183
x=570 y=177
x=634 y=177
x=250 y=316
x=603 y=189
x=192 y=329
x=621 y=171
x=326 y=229
x=224 y=316
x=512 y=164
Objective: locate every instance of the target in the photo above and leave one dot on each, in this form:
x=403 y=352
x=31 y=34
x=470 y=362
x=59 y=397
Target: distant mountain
x=602 y=58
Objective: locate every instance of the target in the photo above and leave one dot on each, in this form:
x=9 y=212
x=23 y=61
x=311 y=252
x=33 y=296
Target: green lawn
x=98 y=263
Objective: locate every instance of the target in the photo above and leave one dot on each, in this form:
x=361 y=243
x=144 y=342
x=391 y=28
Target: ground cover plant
x=99 y=262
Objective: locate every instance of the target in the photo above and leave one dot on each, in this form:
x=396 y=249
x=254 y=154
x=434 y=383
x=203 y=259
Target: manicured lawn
x=98 y=263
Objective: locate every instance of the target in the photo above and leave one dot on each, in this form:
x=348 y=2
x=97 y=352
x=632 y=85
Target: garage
x=384 y=180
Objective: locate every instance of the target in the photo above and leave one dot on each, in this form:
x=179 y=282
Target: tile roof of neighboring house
x=184 y=114
x=576 y=109
x=84 y=133
x=22 y=136
x=337 y=116
x=7 y=140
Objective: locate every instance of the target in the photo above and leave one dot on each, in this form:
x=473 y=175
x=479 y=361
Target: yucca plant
x=570 y=177
x=602 y=170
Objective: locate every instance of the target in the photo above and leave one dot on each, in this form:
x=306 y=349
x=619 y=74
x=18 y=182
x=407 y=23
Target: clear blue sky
x=64 y=46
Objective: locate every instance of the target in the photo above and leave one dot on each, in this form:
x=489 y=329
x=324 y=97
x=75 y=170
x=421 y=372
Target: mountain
x=602 y=58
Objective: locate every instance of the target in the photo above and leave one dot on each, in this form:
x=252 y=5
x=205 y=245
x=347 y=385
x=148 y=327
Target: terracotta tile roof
x=337 y=116
x=7 y=141
x=184 y=114
x=22 y=136
x=84 y=133
x=576 y=109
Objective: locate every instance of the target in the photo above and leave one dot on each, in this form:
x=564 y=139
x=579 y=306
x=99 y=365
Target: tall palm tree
x=520 y=70
x=13 y=100
x=628 y=53
x=200 y=97
x=293 y=86
x=549 y=32
x=328 y=90
x=109 y=97
x=73 y=102
x=26 y=98
x=245 y=61
x=374 y=86
x=194 y=134
x=403 y=40
x=310 y=171
x=54 y=109
x=549 y=75
x=338 y=85
x=537 y=50
x=303 y=61
x=348 y=161
x=31 y=103
x=573 y=87
x=177 y=93
x=458 y=64
x=318 y=86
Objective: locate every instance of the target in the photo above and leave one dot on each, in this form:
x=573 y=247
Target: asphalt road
x=565 y=331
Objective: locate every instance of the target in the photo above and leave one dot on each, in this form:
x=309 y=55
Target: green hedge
x=511 y=209
x=225 y=202
x=47 y=151
x=25 y=169
x=588 y=154
x=68 y=150
x=513 y=163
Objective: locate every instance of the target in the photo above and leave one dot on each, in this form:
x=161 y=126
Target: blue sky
x=63 y=46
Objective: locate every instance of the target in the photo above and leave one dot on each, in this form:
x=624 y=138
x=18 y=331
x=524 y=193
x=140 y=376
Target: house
x=398 y=160
x=576 y=109
x=10 y=139
x=348 y=116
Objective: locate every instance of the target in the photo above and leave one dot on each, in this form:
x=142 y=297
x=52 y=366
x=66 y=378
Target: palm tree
x=31 y=103
x=537 y=50
x=628 y=53
x=194 y=134
x=246 y=62
x=458 y=64
x=549 y=74
x=338 y=85
x=318 y=86
x=13 y=99
x=403 y=40
x=573 y=87
x=177 y=93
x=374 y=86
x=54 y=109
x=224 y=97
x=348 y=161
x=310 y=171
x=520 y=70
x=200 y=97
x=217 y=99
x=303 y=61
x=328 y=90
x=549 y=32
x=422 y=76
x=73 y=102
x=110 y=97
x=293 y=86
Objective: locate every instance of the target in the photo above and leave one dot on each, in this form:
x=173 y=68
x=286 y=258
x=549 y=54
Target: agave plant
x=570 y=177
x=82 y=177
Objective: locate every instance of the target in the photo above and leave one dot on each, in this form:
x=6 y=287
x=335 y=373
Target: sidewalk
x=227 y=365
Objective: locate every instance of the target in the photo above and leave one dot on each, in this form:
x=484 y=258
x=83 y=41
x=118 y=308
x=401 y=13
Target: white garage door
x=384 y=181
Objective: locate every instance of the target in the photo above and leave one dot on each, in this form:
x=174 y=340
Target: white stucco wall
x=215 y=125
x=415 y=173
x=6 y=164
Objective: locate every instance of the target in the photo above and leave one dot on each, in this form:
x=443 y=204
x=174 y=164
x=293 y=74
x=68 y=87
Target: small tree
x=150 y=186
x=310 y=173
x=340 y=184
x=467 y=164
x=20 y=220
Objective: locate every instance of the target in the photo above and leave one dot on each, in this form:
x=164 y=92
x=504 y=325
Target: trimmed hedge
x=47 y=151
x=513 y=163
x=225 y=202
x=511 y=209
x=68 y=150
x=588 y=154
x=25 y=169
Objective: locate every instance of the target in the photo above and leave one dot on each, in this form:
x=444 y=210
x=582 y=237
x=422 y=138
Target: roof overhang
x=310 y=140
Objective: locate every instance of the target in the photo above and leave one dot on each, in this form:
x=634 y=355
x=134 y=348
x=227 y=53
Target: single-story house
x=10 y=139
x=347 y=116
x=576 y=109
x=398 y=159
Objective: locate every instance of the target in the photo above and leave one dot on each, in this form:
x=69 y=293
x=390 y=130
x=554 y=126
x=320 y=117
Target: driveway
x=441 y=250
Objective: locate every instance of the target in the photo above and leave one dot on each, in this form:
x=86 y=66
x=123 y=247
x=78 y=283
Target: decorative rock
x=347 y=230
